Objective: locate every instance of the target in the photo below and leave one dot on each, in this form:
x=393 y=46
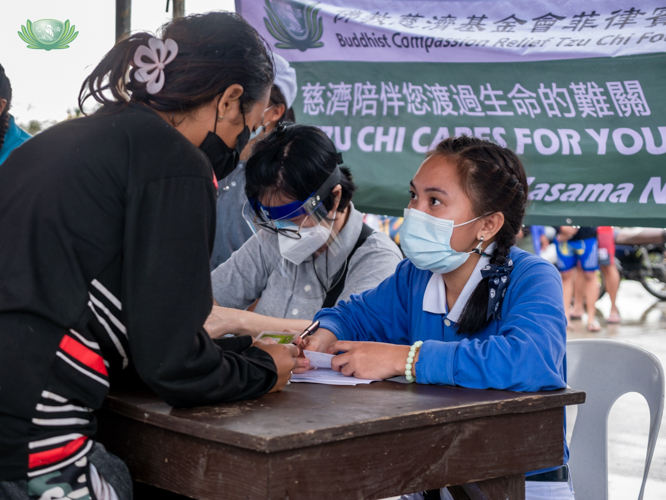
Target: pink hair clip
x=159 y=53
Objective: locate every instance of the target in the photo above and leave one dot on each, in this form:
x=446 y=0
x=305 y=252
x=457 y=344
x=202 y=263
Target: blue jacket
x=524 y=351
x=14 y=137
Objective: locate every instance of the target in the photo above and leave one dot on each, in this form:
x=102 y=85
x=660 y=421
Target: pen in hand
x=308 y=331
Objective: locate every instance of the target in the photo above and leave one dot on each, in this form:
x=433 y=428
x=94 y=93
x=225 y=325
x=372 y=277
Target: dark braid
x=5 y=93
x=494 y=180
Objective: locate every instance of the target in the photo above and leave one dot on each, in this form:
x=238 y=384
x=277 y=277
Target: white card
x=319 y=359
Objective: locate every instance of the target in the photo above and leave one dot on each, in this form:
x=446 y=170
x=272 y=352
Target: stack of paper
x=328 y=377
x=323 y=374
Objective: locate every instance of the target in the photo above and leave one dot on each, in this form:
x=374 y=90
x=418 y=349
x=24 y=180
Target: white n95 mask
x=296 y=250
x=426 y=241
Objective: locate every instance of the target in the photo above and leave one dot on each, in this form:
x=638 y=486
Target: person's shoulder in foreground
x=14 y=137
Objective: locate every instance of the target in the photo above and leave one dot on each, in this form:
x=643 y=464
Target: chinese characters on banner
x=584 y=20
x=388 y=98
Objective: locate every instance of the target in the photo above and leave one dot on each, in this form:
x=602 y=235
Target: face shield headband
x=291 y=233
x=298 y=208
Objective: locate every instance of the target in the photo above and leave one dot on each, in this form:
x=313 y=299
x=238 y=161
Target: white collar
x=434 y=299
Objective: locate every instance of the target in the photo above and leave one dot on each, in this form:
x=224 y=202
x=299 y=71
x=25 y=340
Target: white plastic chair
x=605 y=370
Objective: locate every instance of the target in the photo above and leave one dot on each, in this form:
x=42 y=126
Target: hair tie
x=159 y=53
x=338 y=158
x=498 y=281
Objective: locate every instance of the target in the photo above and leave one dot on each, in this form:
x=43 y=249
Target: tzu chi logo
x=48 y=34
x=294 y=25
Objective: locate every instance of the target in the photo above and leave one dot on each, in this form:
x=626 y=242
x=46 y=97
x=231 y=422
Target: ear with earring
x=478 y=247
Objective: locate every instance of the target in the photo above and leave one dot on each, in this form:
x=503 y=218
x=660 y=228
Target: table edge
x=544 y=400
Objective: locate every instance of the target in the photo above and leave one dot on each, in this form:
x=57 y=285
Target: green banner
x=591 y=132
x=576 y=90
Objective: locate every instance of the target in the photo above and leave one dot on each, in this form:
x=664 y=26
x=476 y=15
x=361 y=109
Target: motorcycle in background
x=640 y=255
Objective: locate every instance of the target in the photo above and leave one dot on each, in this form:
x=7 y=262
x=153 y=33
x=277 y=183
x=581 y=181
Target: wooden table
x=327 y=442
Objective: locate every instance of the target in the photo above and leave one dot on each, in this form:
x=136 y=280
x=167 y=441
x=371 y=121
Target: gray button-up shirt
x=253 y=273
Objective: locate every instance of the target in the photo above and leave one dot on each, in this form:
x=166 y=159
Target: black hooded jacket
x=106 y=227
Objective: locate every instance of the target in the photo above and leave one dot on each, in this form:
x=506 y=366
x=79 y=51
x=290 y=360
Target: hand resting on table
x=368 y=360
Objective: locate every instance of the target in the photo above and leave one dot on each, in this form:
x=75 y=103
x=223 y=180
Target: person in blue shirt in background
x=465 y=308
x=577 y=251
x=11 y=136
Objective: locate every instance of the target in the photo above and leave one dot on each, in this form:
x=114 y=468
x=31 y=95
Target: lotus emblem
x=48 y=34
x=294 y=24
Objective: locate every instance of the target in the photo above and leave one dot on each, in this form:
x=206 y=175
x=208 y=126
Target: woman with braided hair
x=466 y=307
x=11 y=136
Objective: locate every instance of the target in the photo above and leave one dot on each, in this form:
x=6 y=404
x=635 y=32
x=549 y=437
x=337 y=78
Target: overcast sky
x=46 y=84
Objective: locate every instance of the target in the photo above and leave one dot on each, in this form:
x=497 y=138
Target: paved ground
x=643 y=324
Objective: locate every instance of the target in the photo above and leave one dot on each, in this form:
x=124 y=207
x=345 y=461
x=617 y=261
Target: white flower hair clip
x=159 y=53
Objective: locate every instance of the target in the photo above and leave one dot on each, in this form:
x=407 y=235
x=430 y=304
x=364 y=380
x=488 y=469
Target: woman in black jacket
x=107 y=224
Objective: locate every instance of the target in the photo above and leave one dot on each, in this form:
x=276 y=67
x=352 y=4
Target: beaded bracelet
x=410 y=360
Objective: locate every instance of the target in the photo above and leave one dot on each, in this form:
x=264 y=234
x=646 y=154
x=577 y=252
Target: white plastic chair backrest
x=605 y=370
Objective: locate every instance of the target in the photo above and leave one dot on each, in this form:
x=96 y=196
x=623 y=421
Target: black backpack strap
x=333 y=294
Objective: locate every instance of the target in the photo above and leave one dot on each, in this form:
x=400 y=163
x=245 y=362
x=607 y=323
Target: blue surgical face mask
x=257 y=132
x=426 y=241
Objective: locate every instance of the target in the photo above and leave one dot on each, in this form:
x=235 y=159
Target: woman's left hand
x=369 y=360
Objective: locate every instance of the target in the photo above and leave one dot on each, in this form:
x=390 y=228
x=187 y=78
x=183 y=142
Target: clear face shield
x=300 y=233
